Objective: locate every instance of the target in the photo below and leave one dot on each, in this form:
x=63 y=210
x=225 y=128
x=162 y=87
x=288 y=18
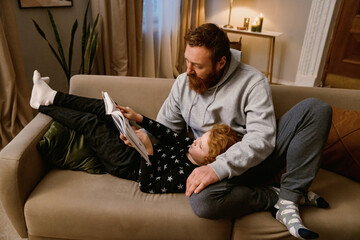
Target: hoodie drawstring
x=210 y=102
x=193 y=103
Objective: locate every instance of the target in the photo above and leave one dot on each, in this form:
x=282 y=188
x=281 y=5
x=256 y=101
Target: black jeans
x=87 y=116
x=301 y=135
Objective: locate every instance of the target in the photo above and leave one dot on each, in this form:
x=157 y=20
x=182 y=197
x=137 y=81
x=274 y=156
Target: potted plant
x=89 y=44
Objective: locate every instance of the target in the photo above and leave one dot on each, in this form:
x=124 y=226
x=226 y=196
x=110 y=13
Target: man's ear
x=221 y=63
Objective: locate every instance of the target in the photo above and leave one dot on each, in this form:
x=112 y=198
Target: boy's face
x=200 y=149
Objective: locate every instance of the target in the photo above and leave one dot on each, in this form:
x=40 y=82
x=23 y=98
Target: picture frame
x=44 y=3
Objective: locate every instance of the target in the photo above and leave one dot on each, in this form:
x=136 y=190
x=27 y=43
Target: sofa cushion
x=340 y=221
x=342 y=150
x=93 y=206
x=65 y=148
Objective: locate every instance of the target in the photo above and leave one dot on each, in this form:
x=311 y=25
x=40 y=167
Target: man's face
x=201 y=71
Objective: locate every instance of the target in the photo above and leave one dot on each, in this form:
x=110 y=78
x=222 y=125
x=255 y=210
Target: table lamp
x=229 y=25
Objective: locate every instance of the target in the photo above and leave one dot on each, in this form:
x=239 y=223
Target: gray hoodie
x=241 y=99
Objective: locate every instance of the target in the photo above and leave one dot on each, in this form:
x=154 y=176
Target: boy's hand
x=124 y=139
x=130 y=114
x=144 y=138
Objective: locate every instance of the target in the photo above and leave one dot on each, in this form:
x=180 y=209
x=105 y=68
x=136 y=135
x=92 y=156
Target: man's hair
x=213 y=38
x=221 y=138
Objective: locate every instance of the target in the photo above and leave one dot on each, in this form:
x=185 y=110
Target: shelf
x=248 y=32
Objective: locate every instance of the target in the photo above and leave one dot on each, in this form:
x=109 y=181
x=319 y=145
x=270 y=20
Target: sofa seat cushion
x=340 y=221
x=106 y=207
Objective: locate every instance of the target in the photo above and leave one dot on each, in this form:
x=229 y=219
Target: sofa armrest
x=21 y=168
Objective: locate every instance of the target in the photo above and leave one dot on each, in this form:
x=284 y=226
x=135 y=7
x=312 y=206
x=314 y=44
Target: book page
x=110 y=105
x=123 y=125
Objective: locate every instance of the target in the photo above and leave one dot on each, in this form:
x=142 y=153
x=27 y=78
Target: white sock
x=310 y=199
x=288 y=214
x=46 y=79
x=41 y=93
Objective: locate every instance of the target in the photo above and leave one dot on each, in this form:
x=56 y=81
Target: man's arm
x=258 y=142
x=256 y=145
x=170 y=112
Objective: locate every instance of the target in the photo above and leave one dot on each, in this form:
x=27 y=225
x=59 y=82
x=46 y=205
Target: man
x=217 y=88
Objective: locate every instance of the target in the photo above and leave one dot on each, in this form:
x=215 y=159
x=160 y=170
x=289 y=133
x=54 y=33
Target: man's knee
x=319 y=108
x=208 y=203
x=202 y=205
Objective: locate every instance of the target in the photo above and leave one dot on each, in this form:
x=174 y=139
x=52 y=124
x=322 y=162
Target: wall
x=36 y=53
x=287 y=16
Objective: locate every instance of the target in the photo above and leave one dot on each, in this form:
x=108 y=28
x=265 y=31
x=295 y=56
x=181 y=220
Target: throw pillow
x=65 y=148
x=342 y=150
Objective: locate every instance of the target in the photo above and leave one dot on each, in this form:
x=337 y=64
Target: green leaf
x=73 y=31
x=42 y=34
x=92 y=45
x=84 y=33
x=92 y=54
x=96 y=21
x=58 y=58
x=58 y=41
x=40 y=31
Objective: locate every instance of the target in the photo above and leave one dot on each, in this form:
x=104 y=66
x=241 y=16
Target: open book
x=122 y=123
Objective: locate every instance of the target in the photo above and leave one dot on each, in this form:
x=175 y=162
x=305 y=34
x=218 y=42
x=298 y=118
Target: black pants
x=87 y=116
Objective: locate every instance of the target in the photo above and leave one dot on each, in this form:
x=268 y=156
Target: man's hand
x=200 y=178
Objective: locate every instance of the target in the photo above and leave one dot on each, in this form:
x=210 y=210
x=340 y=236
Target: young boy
x=176 y=156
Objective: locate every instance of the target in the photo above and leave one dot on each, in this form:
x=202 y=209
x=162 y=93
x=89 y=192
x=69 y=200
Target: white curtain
x=161 y=38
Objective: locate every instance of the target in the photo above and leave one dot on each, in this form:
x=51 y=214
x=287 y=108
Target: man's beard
x=201 y=85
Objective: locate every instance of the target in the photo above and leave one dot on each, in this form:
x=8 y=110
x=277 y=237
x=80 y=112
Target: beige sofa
x=64 y=204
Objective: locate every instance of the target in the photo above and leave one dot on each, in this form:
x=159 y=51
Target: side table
x=264 y=34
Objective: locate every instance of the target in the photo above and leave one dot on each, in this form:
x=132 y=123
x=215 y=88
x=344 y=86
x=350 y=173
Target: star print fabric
x=170 y=166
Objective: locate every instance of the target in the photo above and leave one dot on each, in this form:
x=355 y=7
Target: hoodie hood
x=229 y=68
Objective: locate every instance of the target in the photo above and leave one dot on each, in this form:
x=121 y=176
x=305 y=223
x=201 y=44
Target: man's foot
x=41 y=93
x=310 y=199
x=287 y=213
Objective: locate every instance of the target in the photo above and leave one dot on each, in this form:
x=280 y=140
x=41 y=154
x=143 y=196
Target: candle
x=255 y=25
x=261 y=20
x=246 y=23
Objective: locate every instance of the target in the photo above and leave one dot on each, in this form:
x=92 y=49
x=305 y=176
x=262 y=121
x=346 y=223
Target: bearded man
x=218 y=88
